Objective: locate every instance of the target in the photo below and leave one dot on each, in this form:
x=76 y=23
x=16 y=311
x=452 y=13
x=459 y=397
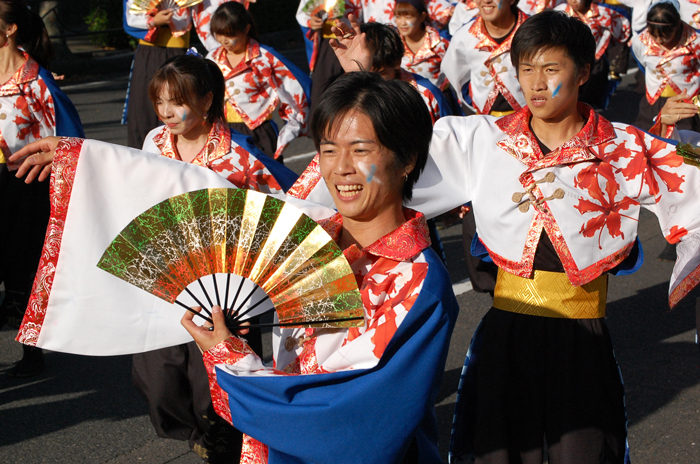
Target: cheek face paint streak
x=372 y=171
x=181 y=113
x=556 y=91
x=500 y=4
x=410 y=24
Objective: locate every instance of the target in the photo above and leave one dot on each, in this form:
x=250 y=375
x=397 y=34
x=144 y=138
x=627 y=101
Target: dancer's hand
x=676 y=109
x=205 y=336
x=39 y=156
x=315 y=23
x=162 y=17
x=351 y=47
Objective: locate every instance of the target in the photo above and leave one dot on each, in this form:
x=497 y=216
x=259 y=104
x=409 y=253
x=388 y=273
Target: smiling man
x=557 y=192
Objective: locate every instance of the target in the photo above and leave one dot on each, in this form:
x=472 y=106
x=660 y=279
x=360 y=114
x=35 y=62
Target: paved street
x=85 y=410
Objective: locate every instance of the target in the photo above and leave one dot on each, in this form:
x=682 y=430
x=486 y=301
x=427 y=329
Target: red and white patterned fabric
x=201 y=17
x=605 y=23
x=382 y=11
x=427 y=60
x=97 y=188
x=678 y=68
x=220 y=154
x=26 y=110
x=180 y=22
x=464 y=12
x=690 y=13
x=473 y=56
x=390 y=275
x=607 y=173
x=260 y=83
x=428 y=97
x=531 y=7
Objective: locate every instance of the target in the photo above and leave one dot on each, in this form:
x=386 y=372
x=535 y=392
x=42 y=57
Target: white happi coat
x=180 y=22
x=259 y=84
x=201 y=17
x=474 y=56
x=678 y=68
x=382 y=11
x=690 y=13
x=606 y=173
x=605 y=23
x=462 y=14
x=26 y=111
x=531 y=7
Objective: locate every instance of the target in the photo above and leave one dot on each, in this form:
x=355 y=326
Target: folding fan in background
x=325 y=8
x=144 y=6
x=257 y=253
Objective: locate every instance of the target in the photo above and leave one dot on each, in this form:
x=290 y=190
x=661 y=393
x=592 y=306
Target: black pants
x=24 y=215
x=547 y=379
x=174 y=381
x=481 y=274
x=326 y=71
x=264 y=136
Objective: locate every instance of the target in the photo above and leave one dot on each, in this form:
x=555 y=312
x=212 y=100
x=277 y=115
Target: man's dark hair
x=398 y=114
x=553 y=29
x=385 y=44
x=663 y=20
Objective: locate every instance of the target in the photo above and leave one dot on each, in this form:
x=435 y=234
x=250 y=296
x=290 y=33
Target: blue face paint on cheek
x=184 y=115
x=372 y=171
x=556 y=91
x=500 y=4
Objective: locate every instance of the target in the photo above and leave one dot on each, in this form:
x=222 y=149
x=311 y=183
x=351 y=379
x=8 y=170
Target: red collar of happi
x=218 y=145
x=521 y=142
x=403 y=243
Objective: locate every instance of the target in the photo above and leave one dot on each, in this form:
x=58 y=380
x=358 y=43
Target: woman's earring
x=405 y=177
x=7 y=41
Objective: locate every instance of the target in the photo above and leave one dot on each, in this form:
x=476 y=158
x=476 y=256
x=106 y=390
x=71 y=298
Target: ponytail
x=218 y=91
x=31 y=35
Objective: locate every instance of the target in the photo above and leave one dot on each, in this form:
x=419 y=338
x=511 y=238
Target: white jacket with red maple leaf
x=586 y=194
x=474 y=58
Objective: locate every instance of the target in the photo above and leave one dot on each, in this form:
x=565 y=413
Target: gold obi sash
x=232 y=116
x=164 y=38
x=2 y=158
x=668 y=92
x=499 y=114
x=550 y=294
x=326 y=30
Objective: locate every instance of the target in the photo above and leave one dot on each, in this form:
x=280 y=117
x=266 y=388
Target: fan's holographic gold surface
x=314 y=7
x=240 y=232
x=144 y=6
x=690 y=154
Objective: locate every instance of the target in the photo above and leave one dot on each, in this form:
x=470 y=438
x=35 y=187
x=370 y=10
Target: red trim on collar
x=219 y=55
x=522 y=144
x=654 y=49
x=404 y=243
x=218 y=144
x=28 y=72
x=486 y=42
x=431 y=40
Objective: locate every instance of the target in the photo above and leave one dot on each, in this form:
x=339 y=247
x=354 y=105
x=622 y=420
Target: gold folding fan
x=244 y=236
x=144 y=6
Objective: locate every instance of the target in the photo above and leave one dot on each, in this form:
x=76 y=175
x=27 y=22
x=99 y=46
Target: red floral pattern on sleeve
x=62 y=176
x=648 y=164
x=230 y=351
